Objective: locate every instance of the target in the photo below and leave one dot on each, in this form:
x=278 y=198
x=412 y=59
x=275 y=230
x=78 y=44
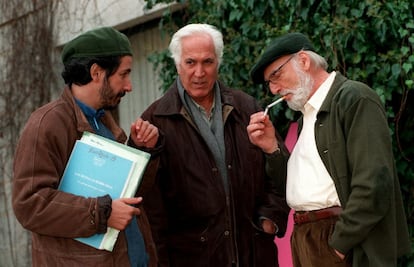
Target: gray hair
x=318 y=60
x=192 y=29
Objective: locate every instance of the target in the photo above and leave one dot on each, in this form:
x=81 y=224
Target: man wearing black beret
x=341 y=179
x=97 y=67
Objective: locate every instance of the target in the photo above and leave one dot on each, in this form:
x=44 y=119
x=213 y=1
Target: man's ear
x=96 y=72
x=304 y=60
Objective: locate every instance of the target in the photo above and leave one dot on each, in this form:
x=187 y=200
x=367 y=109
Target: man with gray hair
x=341 y=178
x=212 y=204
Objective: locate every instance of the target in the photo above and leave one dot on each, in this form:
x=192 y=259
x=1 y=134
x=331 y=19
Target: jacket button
x=325 y=151
x=226 y=233
x=229 y=167
x=202 y=239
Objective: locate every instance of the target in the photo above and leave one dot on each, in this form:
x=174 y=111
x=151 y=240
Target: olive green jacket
x=353 y=140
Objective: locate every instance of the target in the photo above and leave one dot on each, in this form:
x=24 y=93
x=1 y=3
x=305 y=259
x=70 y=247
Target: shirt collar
x=89 y=111
x=319 y=96
x=182 y=92
x=91 y=114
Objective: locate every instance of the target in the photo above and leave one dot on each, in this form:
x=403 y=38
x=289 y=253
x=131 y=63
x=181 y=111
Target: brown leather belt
x=301 y=217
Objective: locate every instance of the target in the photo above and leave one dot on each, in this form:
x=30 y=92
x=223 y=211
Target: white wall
x=76 y=16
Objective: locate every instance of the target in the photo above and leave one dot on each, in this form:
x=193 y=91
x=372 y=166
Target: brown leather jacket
x=55 y=217
x=194 y=221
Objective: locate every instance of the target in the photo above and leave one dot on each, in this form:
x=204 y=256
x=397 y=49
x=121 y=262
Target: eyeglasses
x=273 y=77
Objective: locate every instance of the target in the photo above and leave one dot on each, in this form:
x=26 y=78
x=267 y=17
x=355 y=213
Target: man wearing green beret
x=97 y=66
x=341 y=180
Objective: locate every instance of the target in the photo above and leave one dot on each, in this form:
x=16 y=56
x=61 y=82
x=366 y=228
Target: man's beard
x=109 y=100
x=302 y=92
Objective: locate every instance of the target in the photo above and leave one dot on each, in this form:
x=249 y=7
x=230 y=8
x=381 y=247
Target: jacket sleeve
x=40 y=159
x=153 y=201
x=157 y=213
x=360 y=159
x=152 y=167
x=275 y=206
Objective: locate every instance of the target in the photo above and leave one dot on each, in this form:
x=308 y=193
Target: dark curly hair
x=77 y=70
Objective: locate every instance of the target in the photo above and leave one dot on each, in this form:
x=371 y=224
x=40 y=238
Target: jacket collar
x=339 y=80
x=327 y=102
x=82 y=122
x=171 y=103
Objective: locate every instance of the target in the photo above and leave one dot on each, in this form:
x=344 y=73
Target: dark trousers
x=310 y=246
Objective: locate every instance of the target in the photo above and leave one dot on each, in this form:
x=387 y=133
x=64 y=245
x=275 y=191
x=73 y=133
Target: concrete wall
x=79 y=17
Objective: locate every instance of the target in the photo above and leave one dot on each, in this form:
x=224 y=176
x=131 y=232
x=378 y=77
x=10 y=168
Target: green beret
x=104 y=41
x=284 y=45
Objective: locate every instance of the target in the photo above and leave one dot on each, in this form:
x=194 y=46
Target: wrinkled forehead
x=198 y=47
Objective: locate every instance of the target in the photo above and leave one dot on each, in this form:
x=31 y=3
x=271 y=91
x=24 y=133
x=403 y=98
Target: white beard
x=301 y=93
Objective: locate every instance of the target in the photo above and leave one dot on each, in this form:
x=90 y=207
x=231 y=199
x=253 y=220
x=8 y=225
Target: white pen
x=272 y=104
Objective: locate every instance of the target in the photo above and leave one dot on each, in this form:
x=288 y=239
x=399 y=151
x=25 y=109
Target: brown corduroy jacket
x=55 y=217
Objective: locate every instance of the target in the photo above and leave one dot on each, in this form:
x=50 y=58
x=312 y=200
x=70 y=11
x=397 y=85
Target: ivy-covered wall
x=367 y=40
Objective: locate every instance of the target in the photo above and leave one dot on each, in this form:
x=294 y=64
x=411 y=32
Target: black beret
x=284 y=45
x=104 y=41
